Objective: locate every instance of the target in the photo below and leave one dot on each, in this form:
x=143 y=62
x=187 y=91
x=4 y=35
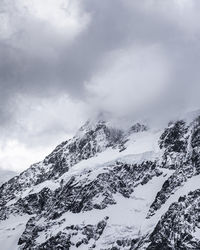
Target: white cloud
x=130 y=80
x=64 y=15
x=41 y=124
x=26 y=18
x=48 y=119
x=16 y=156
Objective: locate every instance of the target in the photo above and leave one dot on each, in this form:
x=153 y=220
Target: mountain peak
x=127 y=184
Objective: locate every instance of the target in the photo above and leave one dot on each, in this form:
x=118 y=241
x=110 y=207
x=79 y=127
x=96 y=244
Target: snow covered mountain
x=109 y=189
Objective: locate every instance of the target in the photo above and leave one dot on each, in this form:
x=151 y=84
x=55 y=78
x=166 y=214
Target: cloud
x=40 y=125
x=126 y=58
x=40 y=122
x=132 y=82
x=161 y=82
x=57 y=47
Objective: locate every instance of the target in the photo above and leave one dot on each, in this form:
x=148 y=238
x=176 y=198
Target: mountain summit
x=109 y=189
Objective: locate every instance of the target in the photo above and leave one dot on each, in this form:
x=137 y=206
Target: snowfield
x=10 y=231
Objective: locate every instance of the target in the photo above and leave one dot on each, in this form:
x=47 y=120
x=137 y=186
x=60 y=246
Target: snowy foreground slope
x=109 y=189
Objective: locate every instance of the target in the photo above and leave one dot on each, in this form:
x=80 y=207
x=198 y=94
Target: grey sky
x=62 y=61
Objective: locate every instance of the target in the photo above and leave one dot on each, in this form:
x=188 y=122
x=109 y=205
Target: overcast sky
x=63 y=61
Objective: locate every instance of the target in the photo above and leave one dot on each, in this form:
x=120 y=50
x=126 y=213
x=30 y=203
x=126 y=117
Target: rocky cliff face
x=109 y=189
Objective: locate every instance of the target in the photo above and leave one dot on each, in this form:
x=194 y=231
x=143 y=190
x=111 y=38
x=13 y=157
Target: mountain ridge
x=79 y=196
